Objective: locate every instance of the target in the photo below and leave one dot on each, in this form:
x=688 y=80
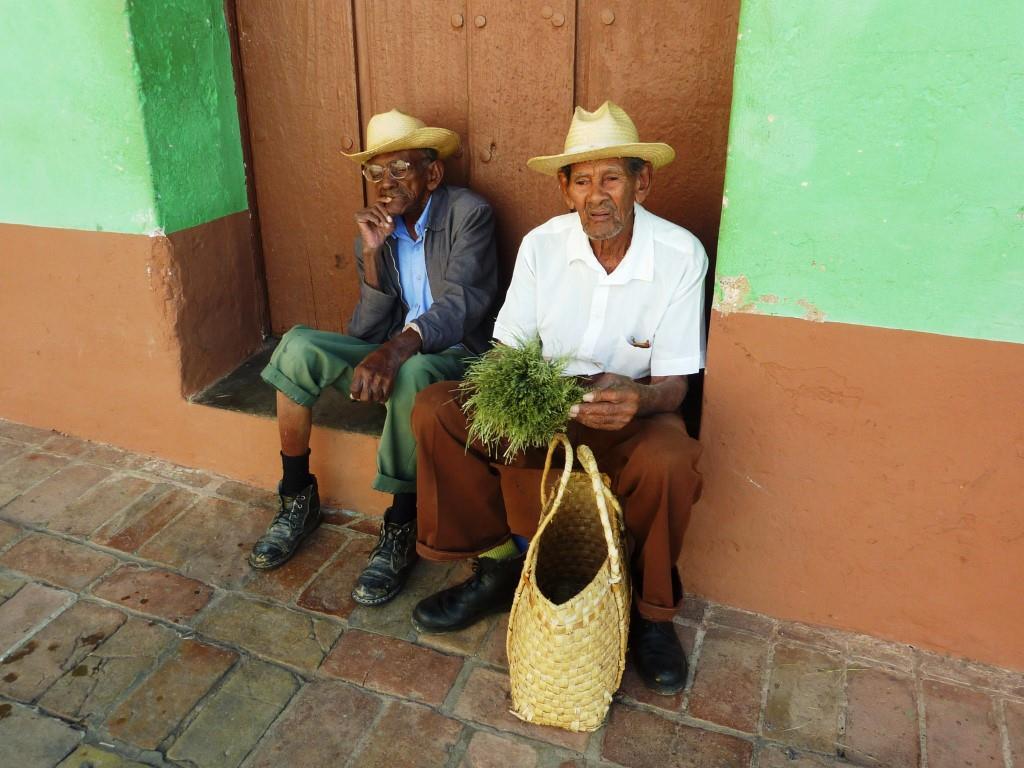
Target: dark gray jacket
x=462 y=268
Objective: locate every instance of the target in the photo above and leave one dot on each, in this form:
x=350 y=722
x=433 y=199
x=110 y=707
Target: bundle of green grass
x=515 y=399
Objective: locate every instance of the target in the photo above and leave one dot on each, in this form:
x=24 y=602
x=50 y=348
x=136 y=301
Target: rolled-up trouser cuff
x=656 y=612
x=282 y=383
x=386 y=484
x=444 y=556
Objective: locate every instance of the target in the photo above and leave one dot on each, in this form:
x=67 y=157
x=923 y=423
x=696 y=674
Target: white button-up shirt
x=646 y=318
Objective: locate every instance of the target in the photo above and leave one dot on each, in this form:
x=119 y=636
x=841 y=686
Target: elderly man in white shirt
x=619 y=292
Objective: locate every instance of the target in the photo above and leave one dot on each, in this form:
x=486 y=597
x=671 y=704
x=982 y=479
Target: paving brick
x=487 y=750
x=486 y=699
x=1015 y=730
x=967 y=672
x=634 y=687
x=821 y=637
x=803 y=698
x=896 y=655
x=99 y=505
x=144 y=518
x=248 y=494
x=110 y=456
x=155 y=591
x=319 y=727
x=466 y=642
x=961 y=727
x=338 y=517
x=210 y=541
x=8 y=450
x=57 y=561
x=195 y=478
x=88 y=756
x=331 y=591
x=65 y=445
x=9 y=584
x=495 y=649
x=89 y=689
x=24 y=471
x=8 y=533
x=881 y=718
x=27 y=611
x=286 y=583
x=27 y=672
x=368 y=525
x=233 y=719
x=37 y=740
x=728 y=679
x=693 y=609
x=425 y=579
x=51 y=498
x=156 y=707
x=754 y=623
x=271 y=631
x=645 y=740
x=22 y=433
x=774 y=757
x=409 y=735
x=392 y=666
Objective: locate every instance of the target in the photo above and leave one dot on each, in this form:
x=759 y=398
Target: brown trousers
x=468 y=503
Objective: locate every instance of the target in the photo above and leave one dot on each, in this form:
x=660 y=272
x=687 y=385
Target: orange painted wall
x=100 y=357
x=867 y=479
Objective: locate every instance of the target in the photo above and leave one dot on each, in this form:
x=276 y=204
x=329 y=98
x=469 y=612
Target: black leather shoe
x=658 y=656
x=298 y=517
x=389 y=564
x=489 y=590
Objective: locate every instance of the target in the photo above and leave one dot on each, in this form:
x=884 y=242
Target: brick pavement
x=132 y=633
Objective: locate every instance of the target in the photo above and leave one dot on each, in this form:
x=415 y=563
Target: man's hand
x=611 y=404
x=375 y=226
x=374 y=378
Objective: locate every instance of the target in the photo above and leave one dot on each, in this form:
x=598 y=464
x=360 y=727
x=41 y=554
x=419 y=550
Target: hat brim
x=656 y=153
x=445 y=142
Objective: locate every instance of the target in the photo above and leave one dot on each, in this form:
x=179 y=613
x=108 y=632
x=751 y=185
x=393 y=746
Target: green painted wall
x=188 y=100
x=72 y=140
x=876 y=165
x=117 y=116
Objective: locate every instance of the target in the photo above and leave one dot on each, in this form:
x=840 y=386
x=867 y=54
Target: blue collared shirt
x=412 y=265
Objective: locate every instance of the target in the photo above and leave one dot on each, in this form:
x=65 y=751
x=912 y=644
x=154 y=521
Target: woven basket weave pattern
x=570 y=618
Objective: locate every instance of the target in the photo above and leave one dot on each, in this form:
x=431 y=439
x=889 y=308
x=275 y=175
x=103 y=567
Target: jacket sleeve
x=372 y=316
x=470 y=284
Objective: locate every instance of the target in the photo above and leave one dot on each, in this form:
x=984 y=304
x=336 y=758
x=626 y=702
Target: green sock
x=502 y=551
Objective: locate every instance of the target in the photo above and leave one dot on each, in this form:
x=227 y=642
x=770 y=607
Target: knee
x=431 y=403
x=416 y=373
x=295 y=347
x=667 y=453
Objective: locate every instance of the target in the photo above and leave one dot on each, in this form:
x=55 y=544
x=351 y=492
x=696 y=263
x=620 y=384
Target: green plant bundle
x=512 y=396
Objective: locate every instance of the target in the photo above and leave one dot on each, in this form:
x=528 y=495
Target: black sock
x=403 y=510
x=296 y=473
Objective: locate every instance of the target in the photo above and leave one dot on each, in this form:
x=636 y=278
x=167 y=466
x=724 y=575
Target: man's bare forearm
x=664 y=394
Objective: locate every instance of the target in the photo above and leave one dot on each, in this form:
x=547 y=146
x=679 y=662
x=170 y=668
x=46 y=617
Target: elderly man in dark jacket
x=428 y=279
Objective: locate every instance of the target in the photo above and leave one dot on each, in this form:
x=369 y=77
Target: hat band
x=589 y=147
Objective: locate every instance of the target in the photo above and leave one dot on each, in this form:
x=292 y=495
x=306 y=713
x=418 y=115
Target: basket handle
x=563 y=482
x=586 y=458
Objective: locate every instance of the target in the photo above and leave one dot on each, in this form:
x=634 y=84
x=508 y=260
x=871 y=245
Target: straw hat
x=606 y=132
x=394 y=131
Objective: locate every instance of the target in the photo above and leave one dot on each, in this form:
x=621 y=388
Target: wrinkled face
x=410 y=193
x=603 y=193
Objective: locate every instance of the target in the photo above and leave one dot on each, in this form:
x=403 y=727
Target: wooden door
x=504 y=75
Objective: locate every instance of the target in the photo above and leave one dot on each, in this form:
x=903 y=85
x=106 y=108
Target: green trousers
x=308 y=361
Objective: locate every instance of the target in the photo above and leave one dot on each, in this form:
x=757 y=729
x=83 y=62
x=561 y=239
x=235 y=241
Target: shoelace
x=396 y=535
x=286 y=518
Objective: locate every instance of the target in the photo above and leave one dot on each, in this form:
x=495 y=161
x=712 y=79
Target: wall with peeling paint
x=118 y=116
x=876 y=166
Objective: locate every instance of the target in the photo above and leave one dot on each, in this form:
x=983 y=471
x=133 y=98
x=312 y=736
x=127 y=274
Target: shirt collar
x=637 y=264
x=420 y=226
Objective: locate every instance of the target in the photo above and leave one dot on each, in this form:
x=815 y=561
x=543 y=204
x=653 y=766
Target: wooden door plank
x=298 y=62
x=520 y=103
x=412 y=57
x=669 y=65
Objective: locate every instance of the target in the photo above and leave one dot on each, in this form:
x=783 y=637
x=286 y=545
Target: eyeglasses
x=397 y=169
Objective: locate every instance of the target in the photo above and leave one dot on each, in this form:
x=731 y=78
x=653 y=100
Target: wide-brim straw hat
x=604 y=133
x=394 y=131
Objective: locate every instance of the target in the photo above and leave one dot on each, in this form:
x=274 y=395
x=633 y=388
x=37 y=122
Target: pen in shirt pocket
x=639 y=343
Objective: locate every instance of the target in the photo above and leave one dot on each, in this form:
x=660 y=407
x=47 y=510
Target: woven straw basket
x=570 y=618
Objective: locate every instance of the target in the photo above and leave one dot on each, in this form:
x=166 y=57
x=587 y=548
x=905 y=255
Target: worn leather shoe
x=389 y=564
x=298 y=517
x=658 y=656
x=489 y=590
